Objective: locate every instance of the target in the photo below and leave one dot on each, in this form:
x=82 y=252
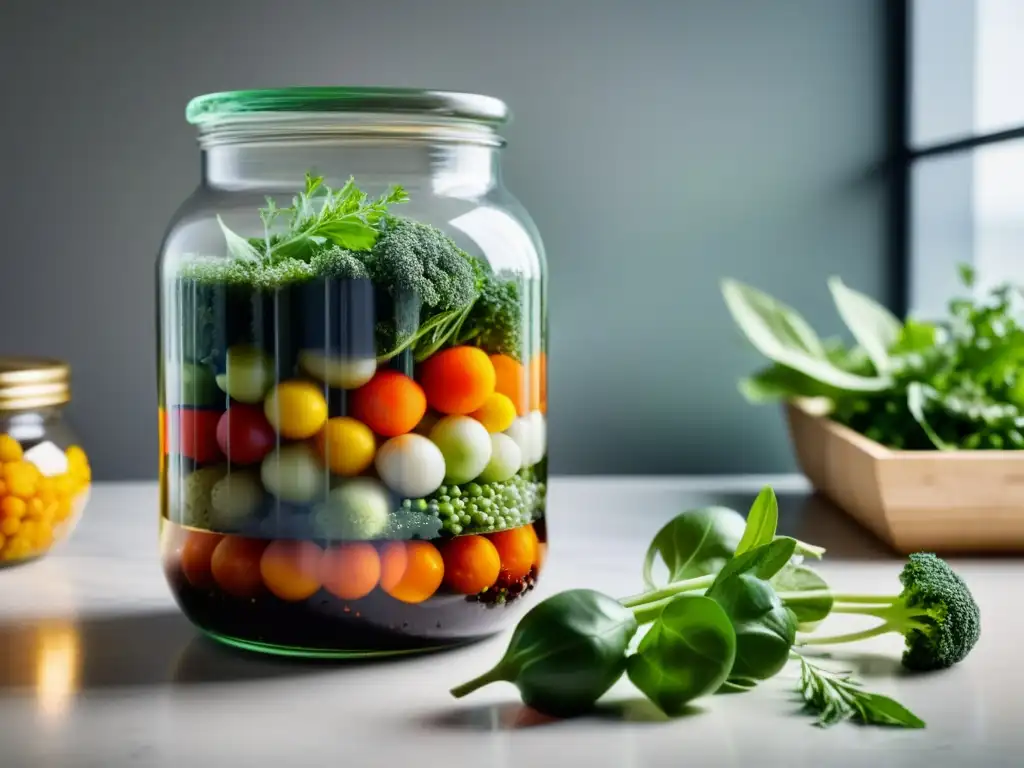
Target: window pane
x=1000 y=64
x=941 y=230
x=966 y=208
x=941 y=70
x=966 y=61
x=999 y=213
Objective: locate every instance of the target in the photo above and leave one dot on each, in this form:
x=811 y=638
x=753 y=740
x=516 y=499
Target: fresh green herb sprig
x=953 y=384
x=319 y=216
x=837 y=696
x=744 y=601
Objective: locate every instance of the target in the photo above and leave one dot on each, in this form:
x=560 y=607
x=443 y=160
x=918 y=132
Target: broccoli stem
x=850 y=637
x=896 y=617
x=812 y=595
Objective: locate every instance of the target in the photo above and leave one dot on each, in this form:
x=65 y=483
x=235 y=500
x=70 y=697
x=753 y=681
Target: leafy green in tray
x=953 y=384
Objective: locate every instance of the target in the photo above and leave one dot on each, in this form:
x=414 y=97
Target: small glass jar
x=352 y=375
x=44 y=473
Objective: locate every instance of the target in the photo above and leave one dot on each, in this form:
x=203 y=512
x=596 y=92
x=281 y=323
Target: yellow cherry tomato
x=296 y=409
x=497 y=413
x=347 y=446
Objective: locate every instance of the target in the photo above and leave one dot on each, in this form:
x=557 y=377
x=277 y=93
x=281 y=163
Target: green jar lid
x=211 y=107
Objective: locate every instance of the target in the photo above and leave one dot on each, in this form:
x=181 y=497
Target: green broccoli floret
x=254 y=274
x=935 y=612
x=495 y=322
x=433 y=282
x=415 y=258
x=338 y=264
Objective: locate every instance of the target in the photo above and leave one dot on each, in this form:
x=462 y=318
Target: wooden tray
x=936 y=501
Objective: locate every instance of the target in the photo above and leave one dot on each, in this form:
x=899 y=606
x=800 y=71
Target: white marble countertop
x=100 y=669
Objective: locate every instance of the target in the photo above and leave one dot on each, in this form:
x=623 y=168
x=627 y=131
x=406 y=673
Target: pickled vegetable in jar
x=44 y=472
x=352 y=383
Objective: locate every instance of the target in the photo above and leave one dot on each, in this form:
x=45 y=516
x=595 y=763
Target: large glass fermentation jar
x=352 y=375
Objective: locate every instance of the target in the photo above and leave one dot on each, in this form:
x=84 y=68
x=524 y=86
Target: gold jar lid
x=27 y=383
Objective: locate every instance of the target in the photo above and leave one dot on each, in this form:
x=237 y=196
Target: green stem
x=491 y=676
x=669 y=590
x=648 y=612
x=852 y=637
x=817 y=594
x=881 y=611
x=809 y=550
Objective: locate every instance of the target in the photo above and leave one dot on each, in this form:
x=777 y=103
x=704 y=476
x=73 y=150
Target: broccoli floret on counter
x=338 y=264
x=935 y=612
x=415 y=258
x=495 y=322
x=483 y=507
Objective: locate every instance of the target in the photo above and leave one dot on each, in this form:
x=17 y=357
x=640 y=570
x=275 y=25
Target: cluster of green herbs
x=441 y=295
x=953 y=384
x=737 y=605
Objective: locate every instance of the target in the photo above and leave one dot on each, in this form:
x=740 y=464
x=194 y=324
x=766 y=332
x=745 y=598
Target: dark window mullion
x=970 y=142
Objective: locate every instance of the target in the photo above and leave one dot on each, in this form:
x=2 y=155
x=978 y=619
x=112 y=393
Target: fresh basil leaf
x=882 y=710
x=874 y=327
x=783 y=336
x=764 y=561
x=237 y=246
x=765 y=628
x=917 y=397
x=800 y=578
x=915 y=336
x=777 y=382
x=762 y=520
x=696 y=543
x=687 y=653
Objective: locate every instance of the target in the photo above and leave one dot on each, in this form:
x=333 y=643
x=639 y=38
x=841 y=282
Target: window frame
x=904 y=155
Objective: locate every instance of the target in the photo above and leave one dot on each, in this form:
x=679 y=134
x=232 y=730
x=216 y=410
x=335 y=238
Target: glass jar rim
x=210 y=108
x=28 y=383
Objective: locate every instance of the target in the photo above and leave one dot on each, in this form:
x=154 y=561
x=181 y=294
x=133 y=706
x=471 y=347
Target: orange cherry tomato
x=236 y=566
x=458 y=380
x=196 y=554
x=350 y=571
x=291 y=569
x=539 y=383
x=390 y=404
x=517 y=549
x=411 y=571
x=471 y=564
x=510 y=380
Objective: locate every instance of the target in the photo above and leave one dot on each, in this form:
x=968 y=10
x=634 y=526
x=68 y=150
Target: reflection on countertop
x=100 y=669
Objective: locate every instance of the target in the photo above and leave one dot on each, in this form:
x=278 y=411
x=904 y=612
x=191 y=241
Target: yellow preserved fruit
x=33 y=506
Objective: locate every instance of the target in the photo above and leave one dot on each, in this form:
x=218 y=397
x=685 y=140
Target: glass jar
x=352 y=375
x=44 y=473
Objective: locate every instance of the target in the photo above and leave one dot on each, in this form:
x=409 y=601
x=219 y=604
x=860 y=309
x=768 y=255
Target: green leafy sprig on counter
x=953 y=384
x=737 y=604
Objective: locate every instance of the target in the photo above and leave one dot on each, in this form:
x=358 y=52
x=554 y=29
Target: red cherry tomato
x=244 y=434
x=197 y=434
